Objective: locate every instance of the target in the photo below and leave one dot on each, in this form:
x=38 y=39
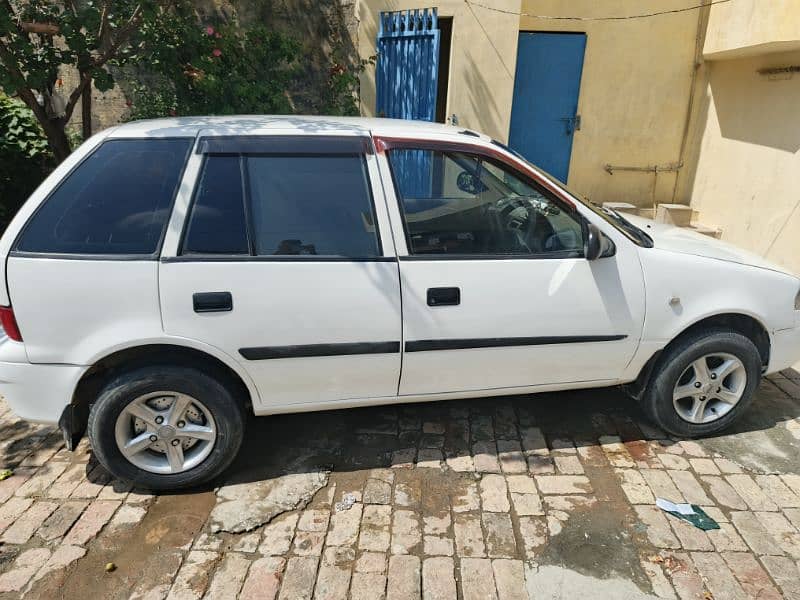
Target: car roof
x=266 y=124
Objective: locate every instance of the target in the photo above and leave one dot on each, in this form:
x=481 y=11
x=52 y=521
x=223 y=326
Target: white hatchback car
x=172 y=275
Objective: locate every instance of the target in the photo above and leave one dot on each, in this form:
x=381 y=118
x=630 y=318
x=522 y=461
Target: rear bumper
x=38 y=392
x=785 y=350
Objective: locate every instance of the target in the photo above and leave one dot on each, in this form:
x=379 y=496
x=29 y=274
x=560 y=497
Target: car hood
x=686 y=241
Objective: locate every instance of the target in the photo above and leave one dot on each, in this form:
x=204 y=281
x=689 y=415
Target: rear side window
x=115 y=202
x=218 y=225
x=283 y=204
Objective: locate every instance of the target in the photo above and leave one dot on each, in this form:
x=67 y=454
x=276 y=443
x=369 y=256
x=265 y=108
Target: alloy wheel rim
x=165 y=432
x=709 y=388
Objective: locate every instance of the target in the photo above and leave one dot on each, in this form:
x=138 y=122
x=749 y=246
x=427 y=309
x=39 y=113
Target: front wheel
x=166 y=427
x=703 y=383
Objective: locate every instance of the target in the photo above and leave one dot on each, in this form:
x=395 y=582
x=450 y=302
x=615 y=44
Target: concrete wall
x=745 y=165
x=482 y=60
x=747 y=27
x=634 y=96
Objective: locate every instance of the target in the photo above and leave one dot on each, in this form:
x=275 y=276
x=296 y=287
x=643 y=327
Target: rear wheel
x=166 y=427
x=703 y=383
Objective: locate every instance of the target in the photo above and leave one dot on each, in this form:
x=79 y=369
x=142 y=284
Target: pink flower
x=210 y=30
x=217 y=52
x=218 y=35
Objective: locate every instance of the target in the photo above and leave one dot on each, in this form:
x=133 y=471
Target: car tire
x=675 y=375
x=146 y=403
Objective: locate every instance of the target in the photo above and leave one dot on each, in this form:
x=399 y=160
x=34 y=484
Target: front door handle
x=212 y=302
x=444 y=296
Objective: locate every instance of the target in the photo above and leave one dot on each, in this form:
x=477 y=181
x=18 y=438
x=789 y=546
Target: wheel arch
x=75 y=416
x=745 y=324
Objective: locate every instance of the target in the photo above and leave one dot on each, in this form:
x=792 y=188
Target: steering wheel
x=526 y=219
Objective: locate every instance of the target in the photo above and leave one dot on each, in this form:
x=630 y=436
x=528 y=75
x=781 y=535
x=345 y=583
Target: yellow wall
x=634 y=94
x=747 y=27
x=483 y=57
x=745 y=136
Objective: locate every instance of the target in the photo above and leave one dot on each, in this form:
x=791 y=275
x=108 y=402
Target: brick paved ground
x=530 y=497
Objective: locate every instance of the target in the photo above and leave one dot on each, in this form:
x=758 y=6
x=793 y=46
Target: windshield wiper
x=629 y=227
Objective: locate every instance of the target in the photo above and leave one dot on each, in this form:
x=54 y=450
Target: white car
x=172 y=275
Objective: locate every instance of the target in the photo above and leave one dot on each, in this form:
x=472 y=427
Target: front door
x=496 y=291
x=286 y=265
x=544 y=114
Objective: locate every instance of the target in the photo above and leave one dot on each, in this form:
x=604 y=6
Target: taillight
x=9 y=322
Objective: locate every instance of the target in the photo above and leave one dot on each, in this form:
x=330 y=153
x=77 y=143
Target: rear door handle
x=212 y=302
x=444 y=296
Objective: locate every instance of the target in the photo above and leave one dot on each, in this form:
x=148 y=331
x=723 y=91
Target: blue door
x=408 y=64
x=544 y=115
x=406 y=80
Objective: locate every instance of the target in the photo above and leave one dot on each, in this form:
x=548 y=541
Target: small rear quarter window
x=116 y=202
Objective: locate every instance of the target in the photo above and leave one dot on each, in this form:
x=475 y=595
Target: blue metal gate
x=406 y=81
x=408 y=64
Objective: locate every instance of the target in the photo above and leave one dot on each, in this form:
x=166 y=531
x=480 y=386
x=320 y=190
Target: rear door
x=285 y=263
x=496 y=291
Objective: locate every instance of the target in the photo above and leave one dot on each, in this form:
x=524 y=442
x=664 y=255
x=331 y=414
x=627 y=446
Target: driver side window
x=462 y=204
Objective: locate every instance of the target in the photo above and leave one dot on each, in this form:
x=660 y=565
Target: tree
x=215 y=69
x=39 y=37
x=25 y=157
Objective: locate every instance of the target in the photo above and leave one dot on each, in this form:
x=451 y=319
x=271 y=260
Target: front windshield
x=616 y=220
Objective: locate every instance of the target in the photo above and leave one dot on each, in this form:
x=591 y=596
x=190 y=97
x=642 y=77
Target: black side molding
x=428 y=345
x=310 y=350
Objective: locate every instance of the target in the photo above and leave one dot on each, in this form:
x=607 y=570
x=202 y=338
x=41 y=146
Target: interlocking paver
x=724 y=493
x=91 y=522
x=754 y=533
x=662 y=485
x=278 y=535
x=438 y=581
x=194 y=575
x=334 y=574
x=404 y=578
x=406 y=532
x=719 y=578
x=299 y=578
x=658 y=529
x=494 y=493
x=25 y=525
x=469 y=535
x=509 y=577
x=477 y=579
x=691 y=489
x=751 y=576
x=786 y=574
x=452 y=501
x=500 y=542
x=778 y=491
x=263 y=579
x=748 y=489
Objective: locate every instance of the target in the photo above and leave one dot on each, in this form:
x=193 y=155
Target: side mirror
x=596 y=244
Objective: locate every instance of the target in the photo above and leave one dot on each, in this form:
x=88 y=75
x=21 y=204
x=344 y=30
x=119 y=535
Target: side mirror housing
x=596 y=244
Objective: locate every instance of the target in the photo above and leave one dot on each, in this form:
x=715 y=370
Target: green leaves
x=215 y=69
x=25 y=157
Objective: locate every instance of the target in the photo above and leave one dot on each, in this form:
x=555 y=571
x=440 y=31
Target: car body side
x=86 y=326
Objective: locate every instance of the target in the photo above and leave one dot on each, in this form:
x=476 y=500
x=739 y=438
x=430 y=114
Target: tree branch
x=41 y=28
x=27 y=95
x=86 y=76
